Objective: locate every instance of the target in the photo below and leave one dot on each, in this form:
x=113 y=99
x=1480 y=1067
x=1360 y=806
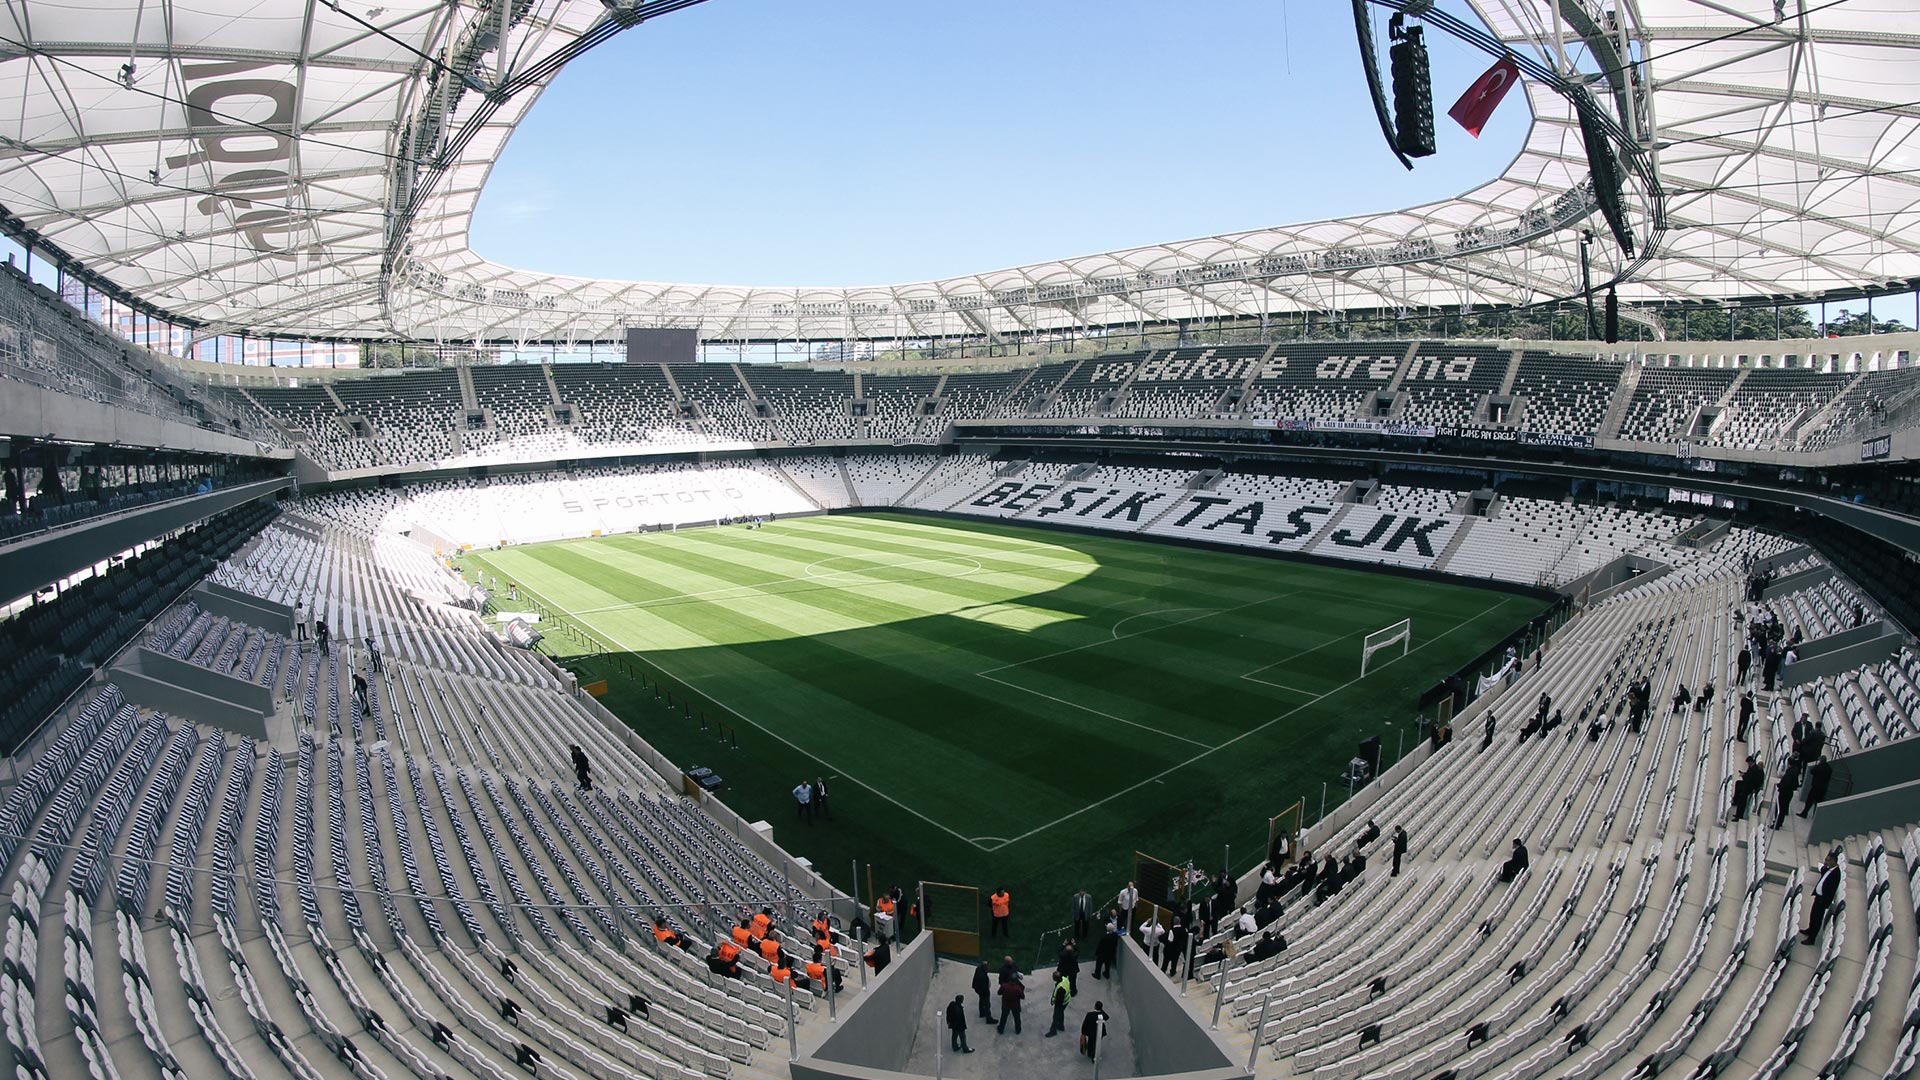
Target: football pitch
x=994 y=704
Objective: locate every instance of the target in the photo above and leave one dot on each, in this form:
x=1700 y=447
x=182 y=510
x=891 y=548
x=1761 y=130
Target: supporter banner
x=1483 y=432
x=1376 y=427
x=1548 y=438
x=1876 y=448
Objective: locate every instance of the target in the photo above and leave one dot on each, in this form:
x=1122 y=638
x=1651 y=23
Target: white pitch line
x=1091 y=709
x=1296 y=656
x=1155 y=778
x=1283 y=686
x=1144 y=614
x=839 y=770
x=1208 y=612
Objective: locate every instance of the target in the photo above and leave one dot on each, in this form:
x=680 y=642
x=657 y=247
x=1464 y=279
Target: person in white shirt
x=1128 y=899
x=1151 y=935
x=1245 y=925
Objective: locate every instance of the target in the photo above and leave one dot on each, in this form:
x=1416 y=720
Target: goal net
x=1393 y=641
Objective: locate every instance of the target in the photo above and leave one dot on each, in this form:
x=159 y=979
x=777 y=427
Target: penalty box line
x=991 y=676
x=1249 y=733
x=843 y=773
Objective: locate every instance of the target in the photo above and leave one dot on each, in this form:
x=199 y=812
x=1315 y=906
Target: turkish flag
x=1477 y=104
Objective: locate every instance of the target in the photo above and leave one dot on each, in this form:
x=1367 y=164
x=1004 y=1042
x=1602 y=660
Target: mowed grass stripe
x=878 y=674
x=872 y=696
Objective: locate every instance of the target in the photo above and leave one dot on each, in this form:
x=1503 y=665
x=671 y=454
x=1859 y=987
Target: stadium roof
x=310 y=169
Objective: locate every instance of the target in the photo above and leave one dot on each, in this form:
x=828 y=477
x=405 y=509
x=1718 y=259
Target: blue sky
x=862 y=142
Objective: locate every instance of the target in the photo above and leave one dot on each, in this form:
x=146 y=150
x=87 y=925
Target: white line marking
x=1207 y=612
x=1296 y=656
x=1284 y=686
x=789 y=743
x=1144 y=614
x=1243 y=735
x=1091 y=709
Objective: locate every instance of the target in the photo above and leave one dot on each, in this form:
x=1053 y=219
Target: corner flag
x=1476 y=106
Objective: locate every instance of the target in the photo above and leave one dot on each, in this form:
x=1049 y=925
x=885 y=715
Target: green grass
x=996 y=704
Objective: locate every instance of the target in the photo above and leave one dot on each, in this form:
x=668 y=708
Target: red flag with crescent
x=1476 y=106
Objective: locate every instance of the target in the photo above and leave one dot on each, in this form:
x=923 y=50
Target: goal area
x=1394 y=640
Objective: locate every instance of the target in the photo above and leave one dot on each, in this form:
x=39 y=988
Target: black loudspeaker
x=1613 y=316
x=1370 y=750
x=1608 y=180
x=1412 y=90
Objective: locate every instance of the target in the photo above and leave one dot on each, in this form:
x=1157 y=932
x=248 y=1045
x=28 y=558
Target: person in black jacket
x=1516 y=862
x=1826 y=888
x=1819 y=775
x=1783 y=795
x=1399 y=847
x=1091 y=1028
x=983 y=988
x=957 y=1023
x=1270 y=944
x=1069 y=965
x=1107 y=953
x=1176 y=949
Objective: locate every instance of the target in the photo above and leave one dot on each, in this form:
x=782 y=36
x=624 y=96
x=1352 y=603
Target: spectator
x=983 y=988
x=1012 y=993
x=1516 y=862
x=1082 y=913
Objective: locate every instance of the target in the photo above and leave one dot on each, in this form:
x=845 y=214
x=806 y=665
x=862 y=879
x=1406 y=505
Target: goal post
x=1394 y=640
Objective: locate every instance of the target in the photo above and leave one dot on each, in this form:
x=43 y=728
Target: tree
x=1850 y=323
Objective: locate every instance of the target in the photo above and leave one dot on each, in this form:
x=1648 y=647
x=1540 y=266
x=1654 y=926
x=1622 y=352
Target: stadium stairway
x=1646 y=939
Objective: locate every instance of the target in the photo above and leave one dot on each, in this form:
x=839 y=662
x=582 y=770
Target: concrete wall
x=1169 y=1040
x=156 y=681
x=1843 y=651
x=1883 y=766
x=1793 y=583
x=874 y=1039
x=1885 y=808
x=31 y=563
x=26 y=409
x=252 y=610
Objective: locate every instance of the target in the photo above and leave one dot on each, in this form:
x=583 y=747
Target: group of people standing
x=810 y=800
x=1012 y=992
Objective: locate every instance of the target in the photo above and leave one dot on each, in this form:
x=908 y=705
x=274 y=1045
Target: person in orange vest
x=1001 y=903
x=883 y=917
x=762 y=921
x=779 y=968
x=664 y=934
x=770 y=948
x=821 y=927
x=741 y=935
x=720 y=964
x=817 y=971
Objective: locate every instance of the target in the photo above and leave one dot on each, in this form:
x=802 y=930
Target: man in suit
x=1092 y=1028
x=957 y=1023
x=1399 y=847
x=1826 y=889
x=1516 y=862
x=1176 y=949
x=1082 y=913
x=1783 y=795
x=983 y=988
x=1819 y=775
x=1107 y=953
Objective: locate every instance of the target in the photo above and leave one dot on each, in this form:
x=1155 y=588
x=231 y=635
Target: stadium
x=1466 y=640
